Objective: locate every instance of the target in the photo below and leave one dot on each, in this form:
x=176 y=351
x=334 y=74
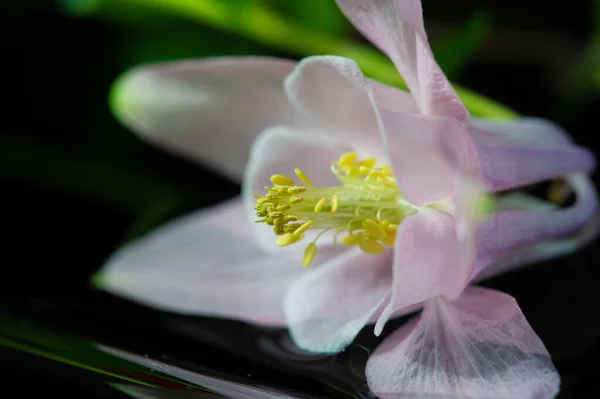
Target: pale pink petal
x=510 y=230
x=515 y=154
x=227 y=388
x=332 y=93
x=479 y=346
x=326 y=310
x=429 y=260
x=426 y=154
x=279 y=150
x=205 y=264
x=209 y=111
x=396 y=27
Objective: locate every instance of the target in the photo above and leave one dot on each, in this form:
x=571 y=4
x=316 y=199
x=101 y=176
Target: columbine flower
x=396 y=179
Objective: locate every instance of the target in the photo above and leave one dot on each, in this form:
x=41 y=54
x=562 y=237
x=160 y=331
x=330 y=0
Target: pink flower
x=468 y=341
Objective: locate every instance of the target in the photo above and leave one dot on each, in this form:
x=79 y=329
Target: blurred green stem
x=259 y=23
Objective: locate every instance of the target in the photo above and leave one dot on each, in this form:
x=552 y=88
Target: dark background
x=75 y=184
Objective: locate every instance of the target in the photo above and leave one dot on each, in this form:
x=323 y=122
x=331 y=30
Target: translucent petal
x=188 y=266
x=326 y=310
x=479 y=346
x=430 y=260
x=396 y=27
x=210 y=110
x=518 y=153
x=512 y=230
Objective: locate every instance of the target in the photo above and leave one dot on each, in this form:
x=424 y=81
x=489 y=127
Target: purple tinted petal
x=517 y=154
x=512 y=230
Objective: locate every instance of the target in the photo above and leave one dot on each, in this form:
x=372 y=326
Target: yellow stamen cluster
x=367 y=207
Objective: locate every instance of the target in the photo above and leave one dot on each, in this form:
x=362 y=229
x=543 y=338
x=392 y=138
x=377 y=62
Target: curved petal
x=426 y=154
x=478 y=346
x=332 y=93
x=278 y=151
x=326 y=310
x=430 y=260
x=512 y=230
x=188 y=267
x=396 y=27
x=209 y=111
x=379 y=121
x=514 y=154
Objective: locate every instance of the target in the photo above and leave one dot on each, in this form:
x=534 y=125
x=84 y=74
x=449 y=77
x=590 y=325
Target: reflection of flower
x=468 y=342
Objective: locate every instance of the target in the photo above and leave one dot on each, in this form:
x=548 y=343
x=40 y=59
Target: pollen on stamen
x=363 y=211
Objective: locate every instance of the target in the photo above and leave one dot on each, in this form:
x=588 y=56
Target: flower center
x=365 y=210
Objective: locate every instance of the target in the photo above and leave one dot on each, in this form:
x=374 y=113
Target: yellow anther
x=287 y=239
x=347 y=159
x=300 y=230
x=296 y=190
x=350 y=240
x=365 y=209
x=368 y=163
x=374 y=229
x=370 y=246
x=334 y=204
x=320 y=204
x=389 y=241
x=388 y=181
x=353 y=171
x=295 y=200
x=309 y=254
x=290 y=228
x=303 y=177
x=282 y=180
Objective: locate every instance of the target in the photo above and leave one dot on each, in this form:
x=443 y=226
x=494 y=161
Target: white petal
x=326 y=310
x=209 y=111
x=188 y=266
